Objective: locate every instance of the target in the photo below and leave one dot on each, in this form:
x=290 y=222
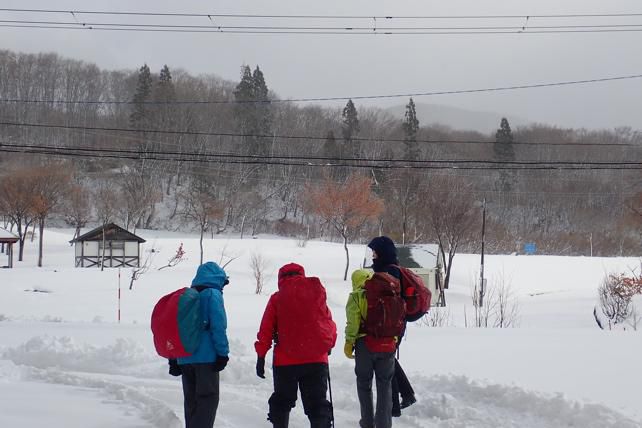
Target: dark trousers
x=382 y=366
x=400 y=387
x=312 y=380
x=201 y=394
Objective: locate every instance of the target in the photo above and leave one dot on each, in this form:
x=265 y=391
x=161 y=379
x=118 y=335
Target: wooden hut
x=117 y=247
x=7 y=239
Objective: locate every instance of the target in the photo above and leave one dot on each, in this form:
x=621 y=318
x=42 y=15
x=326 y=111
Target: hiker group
x=298 y=324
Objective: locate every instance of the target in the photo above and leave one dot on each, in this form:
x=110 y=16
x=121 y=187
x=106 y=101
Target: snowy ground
x=66 y=362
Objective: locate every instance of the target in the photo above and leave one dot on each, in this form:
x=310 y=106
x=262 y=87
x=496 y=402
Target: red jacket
x=298 y=319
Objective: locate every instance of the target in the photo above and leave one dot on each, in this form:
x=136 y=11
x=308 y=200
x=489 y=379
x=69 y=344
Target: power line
x=369 y=29
x=309 y=161
x=361 y=97
x=311 y=16
x=295 y=137
x=312 y=31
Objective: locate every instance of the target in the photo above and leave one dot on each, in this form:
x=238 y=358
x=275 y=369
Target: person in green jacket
x=356 y=310
x=374 y=359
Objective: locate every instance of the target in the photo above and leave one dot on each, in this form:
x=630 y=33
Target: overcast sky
x=299 y=66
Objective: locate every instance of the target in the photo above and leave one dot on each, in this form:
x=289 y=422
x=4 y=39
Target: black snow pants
x=401 y=388
x=201 y=394
x=312 y=380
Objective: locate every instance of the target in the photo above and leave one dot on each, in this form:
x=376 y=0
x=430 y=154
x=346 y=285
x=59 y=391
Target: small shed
x=7 y=239
x=425 y=261
x=119 y=247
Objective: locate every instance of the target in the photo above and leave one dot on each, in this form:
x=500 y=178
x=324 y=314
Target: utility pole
x=481 y=270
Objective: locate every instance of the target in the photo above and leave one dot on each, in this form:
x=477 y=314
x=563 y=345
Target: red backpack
x=386 y=308
x=415 y=293
x=177 y=323
x=305 y=327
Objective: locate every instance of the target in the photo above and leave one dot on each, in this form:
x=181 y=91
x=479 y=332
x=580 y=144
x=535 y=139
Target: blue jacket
x=214 y=340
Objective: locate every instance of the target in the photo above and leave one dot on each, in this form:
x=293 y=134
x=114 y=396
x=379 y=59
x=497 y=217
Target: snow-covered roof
x=5 y=235
x=423 y=255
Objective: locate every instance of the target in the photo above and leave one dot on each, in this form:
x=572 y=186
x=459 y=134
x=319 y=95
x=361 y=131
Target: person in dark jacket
x=200 y=370
x=384 y=259
x=299 y=322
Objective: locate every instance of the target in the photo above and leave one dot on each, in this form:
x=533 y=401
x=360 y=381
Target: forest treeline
x=168 y=149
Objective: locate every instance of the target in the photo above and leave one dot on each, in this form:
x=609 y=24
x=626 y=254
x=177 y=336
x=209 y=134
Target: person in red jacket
x=299 y=322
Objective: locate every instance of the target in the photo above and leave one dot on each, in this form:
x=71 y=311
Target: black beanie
x=385 y=249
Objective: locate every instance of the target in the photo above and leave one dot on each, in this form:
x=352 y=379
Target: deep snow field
x=66 y=362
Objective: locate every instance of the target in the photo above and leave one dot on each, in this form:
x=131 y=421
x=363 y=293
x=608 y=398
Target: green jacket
x=357 y=306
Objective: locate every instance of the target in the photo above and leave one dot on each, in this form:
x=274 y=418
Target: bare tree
x=51 y=184
x=176 y=258
x=258 y=264
x=615 y=302
x=345 y=206
x=139 y=271
x=437 y=317
x=201 y=207
x=453 y=218
x=17 y=197
x=77 y=209
x=106 y=206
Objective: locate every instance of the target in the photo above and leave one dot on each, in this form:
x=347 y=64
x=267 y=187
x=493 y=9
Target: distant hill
x=458 y=118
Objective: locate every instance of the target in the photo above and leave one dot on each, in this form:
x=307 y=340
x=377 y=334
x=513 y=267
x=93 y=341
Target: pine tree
x=165 y=94
x=410 y=127
x=503 y=146
x=263 y=112
x=140 y=115
x=253 y=110
x=504 y=151
x=350 y=128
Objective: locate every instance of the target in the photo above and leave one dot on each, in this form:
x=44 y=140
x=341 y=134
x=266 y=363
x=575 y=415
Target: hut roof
x=7 y=237
x=113 y=232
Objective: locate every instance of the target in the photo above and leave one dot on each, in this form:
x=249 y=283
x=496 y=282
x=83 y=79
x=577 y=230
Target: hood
x=290 y=270
x=359 y=278
x=210 y=275
x=385 y=249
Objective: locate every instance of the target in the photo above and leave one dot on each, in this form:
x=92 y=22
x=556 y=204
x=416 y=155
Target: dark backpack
x=386 y=308
x=415 y=293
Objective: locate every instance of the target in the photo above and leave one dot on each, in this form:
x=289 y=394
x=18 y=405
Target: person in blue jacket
x=201 y=369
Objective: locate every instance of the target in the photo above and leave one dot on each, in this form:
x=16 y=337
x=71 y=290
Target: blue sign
x=530 y=248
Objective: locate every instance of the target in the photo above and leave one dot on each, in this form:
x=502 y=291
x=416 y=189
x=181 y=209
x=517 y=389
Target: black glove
x=220 y=363
x=260 y=367
x=174 y=368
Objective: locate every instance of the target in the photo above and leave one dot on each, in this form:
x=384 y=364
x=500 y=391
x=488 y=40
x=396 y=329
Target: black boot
x=279 y=420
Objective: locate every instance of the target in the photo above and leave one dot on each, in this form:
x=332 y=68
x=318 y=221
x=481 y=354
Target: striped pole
x=118 y=295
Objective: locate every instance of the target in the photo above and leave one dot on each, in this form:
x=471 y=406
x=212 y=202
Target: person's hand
x=260 y=367
x=220 y=363
x=174 y=368
x=348 y=349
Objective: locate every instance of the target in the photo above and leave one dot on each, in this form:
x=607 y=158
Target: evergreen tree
x=504 y=151
x=165 y=94
x=263 y=112
x=253 y=110
x=503 y=146
x=350 y=129
x=141 y=112
x=410 y=127
x=332 y=150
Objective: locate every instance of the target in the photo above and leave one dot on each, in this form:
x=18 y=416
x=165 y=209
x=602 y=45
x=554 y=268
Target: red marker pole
x=118 y=295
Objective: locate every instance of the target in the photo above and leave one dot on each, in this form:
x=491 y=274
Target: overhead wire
x=297 y=137
x=320 y=161
x=316 y=99
x=319 y=16
x=313 y=31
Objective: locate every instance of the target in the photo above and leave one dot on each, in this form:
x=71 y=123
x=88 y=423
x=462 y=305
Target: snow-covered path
x=59 y=376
